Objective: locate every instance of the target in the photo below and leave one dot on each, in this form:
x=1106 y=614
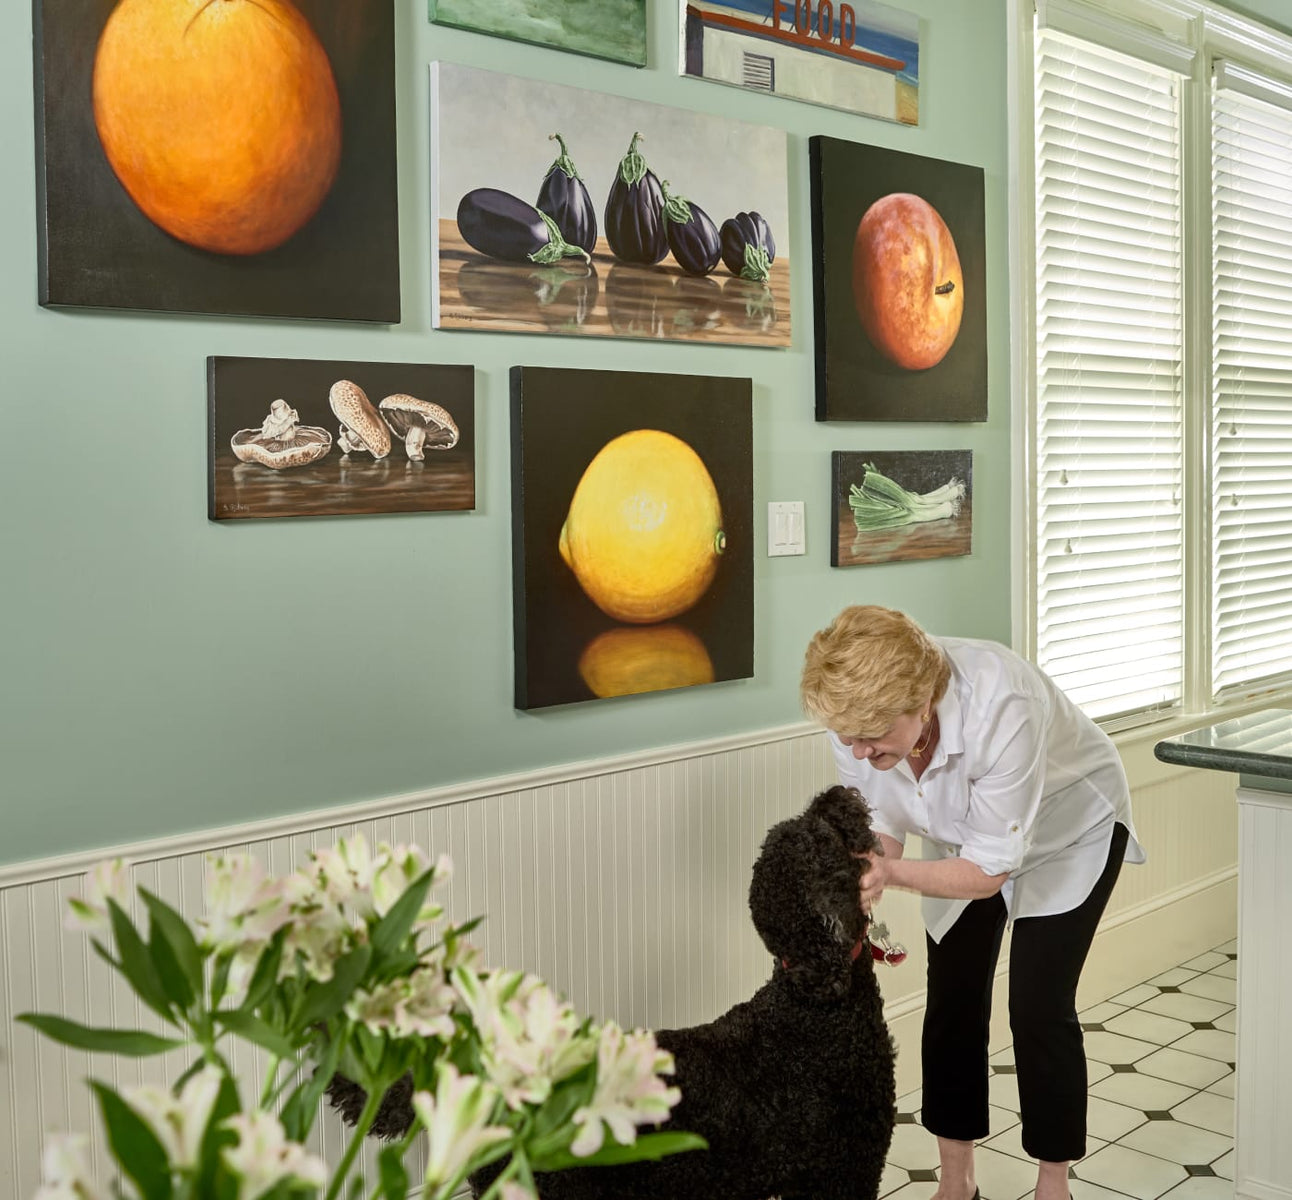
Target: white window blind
x=1109 y=344
x=1251 y=429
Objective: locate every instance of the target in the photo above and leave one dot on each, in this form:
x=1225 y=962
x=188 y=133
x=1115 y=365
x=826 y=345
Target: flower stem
x=271 y=1073
x=361 y=1128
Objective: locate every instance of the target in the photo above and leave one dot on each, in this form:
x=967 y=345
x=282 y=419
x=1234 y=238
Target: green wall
x=161 y=673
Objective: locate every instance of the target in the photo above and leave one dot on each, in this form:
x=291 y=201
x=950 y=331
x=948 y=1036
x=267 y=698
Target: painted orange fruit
x=220 y=118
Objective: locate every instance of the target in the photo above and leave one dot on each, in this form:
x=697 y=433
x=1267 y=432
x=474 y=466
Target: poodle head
x=804 y=892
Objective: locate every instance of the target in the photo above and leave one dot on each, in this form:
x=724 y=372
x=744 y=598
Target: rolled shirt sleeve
x=1004 y=799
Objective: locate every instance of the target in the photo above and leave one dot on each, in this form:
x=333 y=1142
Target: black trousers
x=1045 y=964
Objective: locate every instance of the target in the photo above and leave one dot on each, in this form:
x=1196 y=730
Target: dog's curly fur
x=793 y=1089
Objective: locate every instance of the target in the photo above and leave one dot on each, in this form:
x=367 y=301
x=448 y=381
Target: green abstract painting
x=614 y=29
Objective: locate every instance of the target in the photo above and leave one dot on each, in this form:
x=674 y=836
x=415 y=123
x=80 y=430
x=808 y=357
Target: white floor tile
x=1002 y=1058
x=1207 y=1110
x=1213 y=987
x=1095 y=1071
x=1189 y=1069
x=914 y=1148
x=1210 y=1043
x=1228 y=1022
x=1173 y=978
x=1083 y=1189
x=910 y=1103
x=1227 y=970
x=1202 y=1187
x=1230 y=947
x=1113 y=1048
x=1136 y=995
x=1224 y=1086
x=1184 y=1007
x=1148 y=1027
x=1002 y=1091
x=1001 y=1118
x=1108 y=1121
x=1130 y=1172
x=1177 y=1142
x=1100 y=1013
x=915 y=1191
x=1205 y=962
x=1001 y=1176
x=1224 y=1166
x=893 y=1178
x=1144 y=1092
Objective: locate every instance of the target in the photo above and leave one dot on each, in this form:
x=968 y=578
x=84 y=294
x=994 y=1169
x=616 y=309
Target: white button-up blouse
x=1021 y=781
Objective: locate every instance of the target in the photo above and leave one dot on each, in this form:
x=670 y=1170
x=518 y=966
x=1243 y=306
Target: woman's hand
x=873 y=880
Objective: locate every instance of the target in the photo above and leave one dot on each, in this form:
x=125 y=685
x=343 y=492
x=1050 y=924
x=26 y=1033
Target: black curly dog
x=793 y=1089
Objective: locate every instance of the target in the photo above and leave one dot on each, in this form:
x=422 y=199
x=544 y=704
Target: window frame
x=1207 y=32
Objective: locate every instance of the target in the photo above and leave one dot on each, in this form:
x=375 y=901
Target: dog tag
x=882 y=947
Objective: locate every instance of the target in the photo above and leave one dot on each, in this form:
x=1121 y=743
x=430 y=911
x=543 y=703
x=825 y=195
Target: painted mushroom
x=361 y=427
x=420 y=423
x=282 y=441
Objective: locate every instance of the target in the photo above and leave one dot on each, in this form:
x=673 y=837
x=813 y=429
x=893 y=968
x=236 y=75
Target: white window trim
x=1205 y=34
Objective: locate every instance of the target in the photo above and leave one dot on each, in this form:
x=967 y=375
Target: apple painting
x=906 y=281
x=899 y=274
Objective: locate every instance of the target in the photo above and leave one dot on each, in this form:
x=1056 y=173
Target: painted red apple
x=906 y=281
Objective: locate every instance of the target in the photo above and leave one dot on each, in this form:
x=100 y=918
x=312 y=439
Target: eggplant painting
x=558 y=210
x=613 y=29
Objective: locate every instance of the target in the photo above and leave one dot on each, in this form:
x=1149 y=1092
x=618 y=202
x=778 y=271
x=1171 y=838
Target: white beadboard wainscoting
x=622 y=882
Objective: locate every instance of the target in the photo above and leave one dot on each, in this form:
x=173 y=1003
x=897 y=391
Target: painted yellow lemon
x=644 y=532
x=631 y=659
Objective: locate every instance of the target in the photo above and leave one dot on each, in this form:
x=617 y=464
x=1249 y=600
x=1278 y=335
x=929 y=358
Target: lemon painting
x=631 y=532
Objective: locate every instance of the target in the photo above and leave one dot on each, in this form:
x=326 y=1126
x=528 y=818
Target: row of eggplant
x=644 y=221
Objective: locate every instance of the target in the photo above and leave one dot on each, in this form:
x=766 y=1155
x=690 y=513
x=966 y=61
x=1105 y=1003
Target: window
x=1158 y=240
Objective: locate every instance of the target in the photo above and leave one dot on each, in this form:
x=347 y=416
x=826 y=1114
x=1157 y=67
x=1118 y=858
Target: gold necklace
x=918 y=751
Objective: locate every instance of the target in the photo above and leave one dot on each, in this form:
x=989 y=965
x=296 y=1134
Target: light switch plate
x=785 y=527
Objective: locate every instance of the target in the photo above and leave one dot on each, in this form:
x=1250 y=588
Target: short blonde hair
x=868 y=667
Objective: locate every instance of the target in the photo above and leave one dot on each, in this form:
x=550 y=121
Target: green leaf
x=394 y=1175
x=266 y=972
x=570 y=1094
x=220 y=979
x=213 y=1177
x=248 y=1025
x=392 y=930
x=325 y=1000
x=167 y=924
x=649 y=1147
x=137 y=964
x=129 y=1042
x=134 y=1145
x=301 y=1108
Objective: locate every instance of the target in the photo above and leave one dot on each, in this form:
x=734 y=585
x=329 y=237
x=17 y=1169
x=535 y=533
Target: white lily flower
x=179 y=1122
x=397 y=867
x=263 y=1157
x=344 y=873
x=517 y=1191
x=530 y=1038
x=107 y=880
x=319 y=934
x=65 y=1171
x=457 y=1123
x=629 y=1091
x=417 y=1005
x=242 y=905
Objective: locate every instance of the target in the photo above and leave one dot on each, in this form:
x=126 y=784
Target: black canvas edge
x=836 y=460
x=211 y=363
x=519 y=625
x=38 y=81
x=817 y=204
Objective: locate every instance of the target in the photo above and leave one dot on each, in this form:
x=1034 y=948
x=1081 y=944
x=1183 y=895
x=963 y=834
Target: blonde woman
x=1024 y=814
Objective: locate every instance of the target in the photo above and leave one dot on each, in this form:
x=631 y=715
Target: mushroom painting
x=304 y=437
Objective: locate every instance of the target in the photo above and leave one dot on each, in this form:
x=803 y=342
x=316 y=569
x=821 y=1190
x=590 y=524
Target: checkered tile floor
x=1161 y=1115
